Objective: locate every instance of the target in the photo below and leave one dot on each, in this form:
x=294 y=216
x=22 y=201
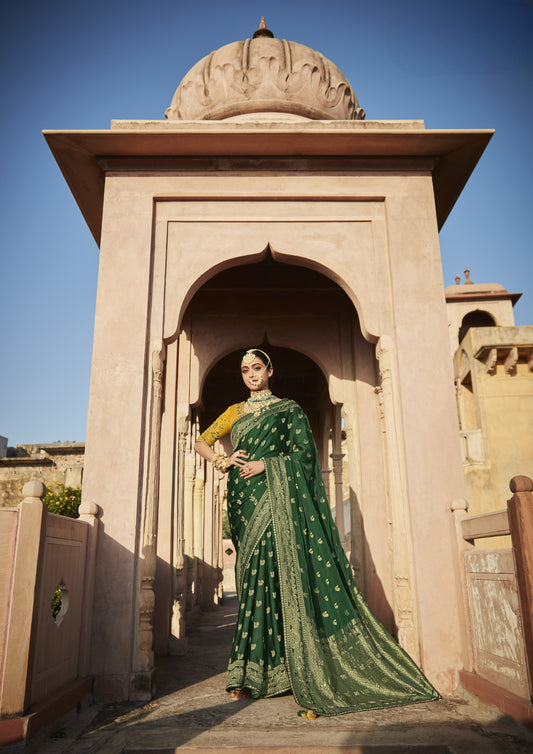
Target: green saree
x=302 y=625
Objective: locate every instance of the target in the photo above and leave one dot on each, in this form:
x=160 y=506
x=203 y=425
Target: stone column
x=520 y=511
x=217 y=541
x=188 y=499
x=357 y=556
x=336 y=458
x=199 y=485
x=403 y=586
x=323 y=447
x=89 y=512
x=178 y=639
x=142 y=685
x=459 y=508
x=15 y=683
x=188 y=502
x=206 y=596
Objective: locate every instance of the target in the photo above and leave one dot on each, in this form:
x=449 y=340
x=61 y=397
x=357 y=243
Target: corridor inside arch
x=310 y=328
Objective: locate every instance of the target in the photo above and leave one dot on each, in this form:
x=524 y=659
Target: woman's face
x=255 y=374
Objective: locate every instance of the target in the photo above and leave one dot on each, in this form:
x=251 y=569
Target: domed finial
x=457 y=280
x=467 y=276
x=262 y=31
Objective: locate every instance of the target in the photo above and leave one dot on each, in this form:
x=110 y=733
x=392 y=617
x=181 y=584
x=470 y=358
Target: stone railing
x=46 y=593
x=499 y=594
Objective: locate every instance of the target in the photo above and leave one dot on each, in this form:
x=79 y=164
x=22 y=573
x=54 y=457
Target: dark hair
x=259 y=354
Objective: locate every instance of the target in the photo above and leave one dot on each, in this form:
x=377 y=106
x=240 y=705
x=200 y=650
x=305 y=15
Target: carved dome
x=264 y=76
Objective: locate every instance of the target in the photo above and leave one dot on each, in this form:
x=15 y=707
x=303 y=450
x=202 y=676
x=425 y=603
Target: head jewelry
x=251 y=354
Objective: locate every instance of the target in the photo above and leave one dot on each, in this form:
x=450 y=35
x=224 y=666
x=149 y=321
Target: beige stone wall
x=494 y=377
x=53 y=464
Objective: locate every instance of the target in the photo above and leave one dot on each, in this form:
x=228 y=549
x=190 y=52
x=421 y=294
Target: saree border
x=255 y=529
x=291 y=592
x=266 y=683
x=304 y=647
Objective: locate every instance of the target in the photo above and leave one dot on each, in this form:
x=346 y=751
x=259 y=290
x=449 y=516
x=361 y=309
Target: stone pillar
x=89 y=512
x=178 y=639
x=520 y=511
x=199 y=485
x=142 y=686
x=217 y=541
x=323 y=445
x=206 y=596
x=459 y=508
x=336 y=459
x=15 y=684
x=188 y=501
x=357 y=549
x=404 y=591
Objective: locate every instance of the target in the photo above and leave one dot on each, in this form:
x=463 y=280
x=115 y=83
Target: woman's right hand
x=238 y=458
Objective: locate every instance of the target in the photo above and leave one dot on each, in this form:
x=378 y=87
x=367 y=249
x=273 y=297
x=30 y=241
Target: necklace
x=258 y=405
x=260 y=395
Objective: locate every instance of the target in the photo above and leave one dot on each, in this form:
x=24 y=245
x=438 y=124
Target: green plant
x=226 y=531
x=65 y=501
x=57 y=601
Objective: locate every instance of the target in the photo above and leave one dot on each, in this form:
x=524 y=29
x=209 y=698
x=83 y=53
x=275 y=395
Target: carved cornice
x=509 y=355
x=84 y=155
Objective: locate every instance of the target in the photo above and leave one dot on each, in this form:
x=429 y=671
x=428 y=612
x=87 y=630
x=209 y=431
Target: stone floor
x=192 y=712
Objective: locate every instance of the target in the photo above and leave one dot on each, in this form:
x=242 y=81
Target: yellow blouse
x=222 y=425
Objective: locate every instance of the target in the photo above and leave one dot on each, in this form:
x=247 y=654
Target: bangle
x=220 y=461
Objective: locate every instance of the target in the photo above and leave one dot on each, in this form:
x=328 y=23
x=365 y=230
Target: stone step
x=365 y=749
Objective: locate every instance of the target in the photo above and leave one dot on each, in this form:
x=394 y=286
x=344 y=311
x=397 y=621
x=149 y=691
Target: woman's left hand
x=252 y=468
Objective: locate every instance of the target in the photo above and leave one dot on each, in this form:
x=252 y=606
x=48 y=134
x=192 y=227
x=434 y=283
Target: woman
x=302 y=625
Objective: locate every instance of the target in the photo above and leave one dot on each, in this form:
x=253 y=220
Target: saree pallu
x=302 y=624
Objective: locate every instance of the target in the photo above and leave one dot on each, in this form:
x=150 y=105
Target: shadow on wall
x=366 y=573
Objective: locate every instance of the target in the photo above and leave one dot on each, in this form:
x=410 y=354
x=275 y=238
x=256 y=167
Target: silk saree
x=302 y=624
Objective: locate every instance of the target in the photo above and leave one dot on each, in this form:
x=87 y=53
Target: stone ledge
x=25 y=727
x=509 y=704
x=308 y=125
x=27 y=461
x=348 y=749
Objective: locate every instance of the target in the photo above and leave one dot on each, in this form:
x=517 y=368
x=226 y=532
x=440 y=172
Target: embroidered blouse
x=222 y=424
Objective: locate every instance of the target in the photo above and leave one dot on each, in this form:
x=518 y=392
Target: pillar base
x=16 y=729
x=508 y=703
x=142 y=686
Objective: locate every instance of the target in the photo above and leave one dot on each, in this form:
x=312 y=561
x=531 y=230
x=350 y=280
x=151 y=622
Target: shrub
x=65 y=501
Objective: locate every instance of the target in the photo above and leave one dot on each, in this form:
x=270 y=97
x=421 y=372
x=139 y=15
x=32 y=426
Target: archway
x=310 y=327
x=477 y=318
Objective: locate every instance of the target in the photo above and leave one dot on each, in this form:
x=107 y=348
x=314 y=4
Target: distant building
x=52 y=463
x=493 y=361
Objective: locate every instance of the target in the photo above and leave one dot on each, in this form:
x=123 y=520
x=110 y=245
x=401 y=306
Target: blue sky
x=454 y=63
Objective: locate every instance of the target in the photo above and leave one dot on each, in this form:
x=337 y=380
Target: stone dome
x=264 y=77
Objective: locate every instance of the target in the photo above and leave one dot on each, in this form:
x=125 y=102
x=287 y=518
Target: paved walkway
x=192 y=712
